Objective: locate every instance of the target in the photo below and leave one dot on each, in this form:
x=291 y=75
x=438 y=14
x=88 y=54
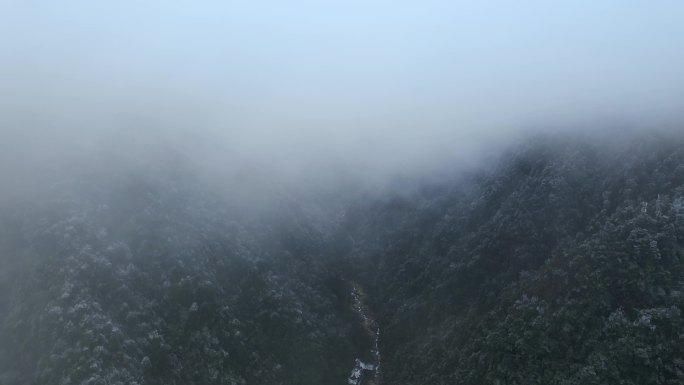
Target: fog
x=308 y=91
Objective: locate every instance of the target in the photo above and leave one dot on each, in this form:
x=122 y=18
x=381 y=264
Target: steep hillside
x=140 y=282
x=563 y=265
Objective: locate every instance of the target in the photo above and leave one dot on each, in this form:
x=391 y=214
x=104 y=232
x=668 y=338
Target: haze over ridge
x=301 y=88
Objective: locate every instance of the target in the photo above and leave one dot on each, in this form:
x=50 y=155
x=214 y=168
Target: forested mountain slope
x=560 y=264
x=563 y=265
x=135 y=281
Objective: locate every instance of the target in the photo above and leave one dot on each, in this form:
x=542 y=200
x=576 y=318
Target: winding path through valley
x=365 y=373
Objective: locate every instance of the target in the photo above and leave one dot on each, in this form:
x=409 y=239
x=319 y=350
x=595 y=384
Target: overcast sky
x=383 y=85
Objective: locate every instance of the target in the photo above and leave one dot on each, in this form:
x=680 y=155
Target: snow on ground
x=360 y=368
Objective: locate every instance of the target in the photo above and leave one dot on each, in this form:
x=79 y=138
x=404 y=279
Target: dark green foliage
x=160 y=284
x=562 y=266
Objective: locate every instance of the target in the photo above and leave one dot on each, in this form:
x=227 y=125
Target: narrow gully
x=365 y=373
